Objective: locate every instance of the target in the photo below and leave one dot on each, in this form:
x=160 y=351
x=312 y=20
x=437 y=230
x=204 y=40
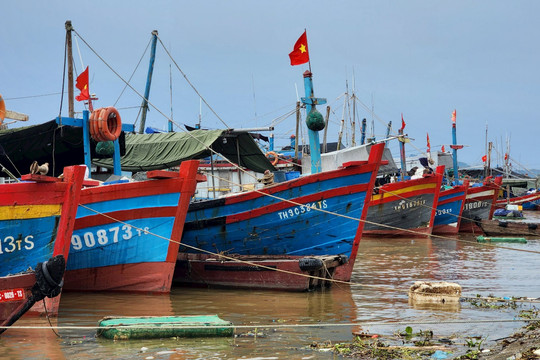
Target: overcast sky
x=420 y=58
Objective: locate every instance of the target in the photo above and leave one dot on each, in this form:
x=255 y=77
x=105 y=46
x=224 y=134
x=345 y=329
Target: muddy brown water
x=384 y=271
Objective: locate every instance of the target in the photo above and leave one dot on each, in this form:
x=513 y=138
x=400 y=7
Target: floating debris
x=438 y=292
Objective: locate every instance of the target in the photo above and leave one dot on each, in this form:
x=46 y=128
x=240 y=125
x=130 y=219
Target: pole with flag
x=300 y=53
x=314 y=119
x=455 y=148
x=82 y=85
x=402 y=140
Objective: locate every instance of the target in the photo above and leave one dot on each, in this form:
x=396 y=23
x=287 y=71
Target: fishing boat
x=479 y=204
x=37 y=218
x=529 y=201
x=314 y=215
x=126 y=235
x=480 y=198
x=404 y=208
x=450 y=208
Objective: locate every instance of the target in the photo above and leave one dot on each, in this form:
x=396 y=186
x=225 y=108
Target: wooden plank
x=40 y=178
x=162 y=174
x=16 y=116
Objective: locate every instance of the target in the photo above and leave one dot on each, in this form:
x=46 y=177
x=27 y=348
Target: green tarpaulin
x=63 y=146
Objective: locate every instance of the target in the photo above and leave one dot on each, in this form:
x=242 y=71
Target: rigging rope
x=283 y=326
x=192 y=86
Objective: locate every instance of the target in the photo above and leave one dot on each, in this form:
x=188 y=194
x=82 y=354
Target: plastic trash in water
x=439 y=354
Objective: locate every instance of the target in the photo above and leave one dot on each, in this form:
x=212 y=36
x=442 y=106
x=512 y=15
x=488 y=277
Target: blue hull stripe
x=308 y=189
x=294 y=230
x=448 y=213
x=116 y=244
x=25 y=243
x=139 y=202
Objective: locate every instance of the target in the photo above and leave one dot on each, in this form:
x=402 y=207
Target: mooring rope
x=280 y=326
x=247 y=262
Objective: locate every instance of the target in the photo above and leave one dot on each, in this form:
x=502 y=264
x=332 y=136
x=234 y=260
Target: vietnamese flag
x=402 y=122
x=442 y=148
x=428 y=144
x=82 y=84
x=454 y=116
x=484 y=158
x=300 y=53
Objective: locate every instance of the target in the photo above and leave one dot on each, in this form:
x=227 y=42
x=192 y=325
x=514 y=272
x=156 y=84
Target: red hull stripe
x=153 y=277
x=124 y=215
x=452 y=199
x=33 y=194
x=353 y=170
x=301 y=200
x=388 y=197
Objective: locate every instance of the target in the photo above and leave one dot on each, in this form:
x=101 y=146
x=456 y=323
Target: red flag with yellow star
x=82 y=84
x=300 y=53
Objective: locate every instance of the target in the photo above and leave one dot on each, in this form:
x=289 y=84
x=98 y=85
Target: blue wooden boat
x=36 y=220
x=316 y=214
x=449 y=207
x=126 y=235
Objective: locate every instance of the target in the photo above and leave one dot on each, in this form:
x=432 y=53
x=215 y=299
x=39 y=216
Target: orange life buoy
x=105 y=124
x=275 y=161
x=2 y=109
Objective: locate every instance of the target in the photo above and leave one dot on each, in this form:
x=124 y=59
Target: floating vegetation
x=492 y=302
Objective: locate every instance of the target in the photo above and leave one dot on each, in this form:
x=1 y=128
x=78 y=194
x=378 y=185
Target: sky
x=422 y=59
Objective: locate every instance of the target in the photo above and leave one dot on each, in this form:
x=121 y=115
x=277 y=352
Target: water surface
x=384 y=271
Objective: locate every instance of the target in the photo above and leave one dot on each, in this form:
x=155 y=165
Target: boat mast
x=297 y=130
x=170 y=122
x=486 y=151
x=342 y=125
x=71 y=97
x=363 y=132
x=388 y=128
x=455 y=148
x=148 y=81
x=314 y=122
x=401 y=139
x=326 y=119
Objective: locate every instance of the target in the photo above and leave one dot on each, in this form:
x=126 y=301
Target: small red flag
x=428 y=144
x=442 y=148
x=300 y=53
x=484 y=158
x=82 y=84
x=454 y=116
x=506 y=156
x=402 y=122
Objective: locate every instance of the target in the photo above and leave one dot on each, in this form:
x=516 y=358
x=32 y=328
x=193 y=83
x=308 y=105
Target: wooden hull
x=257 y=272
x=509 y=228
x=293 y=218
x=36 y=222
x=405 y=208
x=449 y=210
x=479 y=205
x=152 y=277
x=126 y=235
